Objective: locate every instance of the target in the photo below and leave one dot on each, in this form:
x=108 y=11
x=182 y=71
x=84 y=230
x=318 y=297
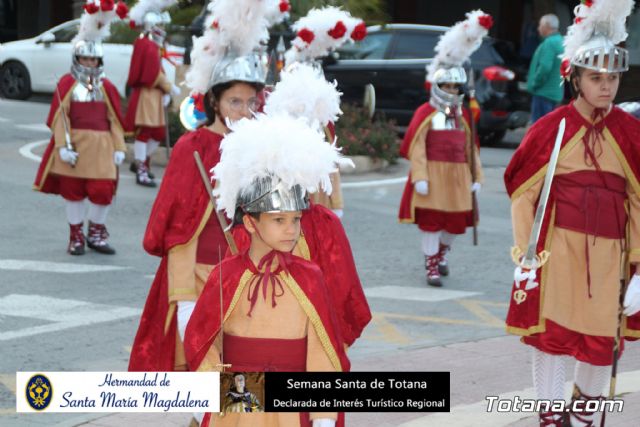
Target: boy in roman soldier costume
x=226 y=76
x=565 y=297
x=277 y=314
x=317 y=34
x=150 y=88
x=438 y=194
x=87 y=145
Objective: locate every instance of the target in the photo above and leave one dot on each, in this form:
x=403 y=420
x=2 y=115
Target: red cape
x=329 y=248
x=176 y=214
x=421 y=118
x=529 y=159
x=44 y=181
x=203 y=327
x=145 y=67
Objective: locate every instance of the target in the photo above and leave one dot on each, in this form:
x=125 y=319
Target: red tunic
x=49 y=183
x=175 y=217
x=329 y=248
x=529 y=164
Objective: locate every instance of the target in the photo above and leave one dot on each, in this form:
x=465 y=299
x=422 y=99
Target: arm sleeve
x=181 y=272
x=634 y=228
x=117 y=133
x=58 y=126
x=318 y=361
x=522 y=213
x=163 y=83
x=418 y=158
x=544 y=65
x=336 y=193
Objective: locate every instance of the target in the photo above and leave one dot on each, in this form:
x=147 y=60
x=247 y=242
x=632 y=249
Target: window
x=66 y=33
x=372 y=47
x=633 y=41
x=414 y=44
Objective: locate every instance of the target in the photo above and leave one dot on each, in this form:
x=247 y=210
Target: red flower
x=359 y=32
x=587 y=3
x=132 y=24
x=577 y=20
x=215 y=24
x=284 y=6
x=107 y=5
x=122 y=10
x=565 y=67
x=486 y=21
x=198 y=102
x=306 y=35
x=338 y=31
x=91 y=8
x=427 y=85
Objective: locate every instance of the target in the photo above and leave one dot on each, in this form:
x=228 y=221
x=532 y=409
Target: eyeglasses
x=237 y=104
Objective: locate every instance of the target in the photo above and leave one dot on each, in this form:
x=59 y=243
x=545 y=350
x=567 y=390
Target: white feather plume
x=606 y=17
x=277 y=145
x=95 y=26
x=304 y=92
x=233 y=26
x=274 y=14
x=320 y=22
x=458 y=43
x=140 y=9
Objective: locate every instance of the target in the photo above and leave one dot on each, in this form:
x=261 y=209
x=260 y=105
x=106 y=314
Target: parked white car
x=35 y=64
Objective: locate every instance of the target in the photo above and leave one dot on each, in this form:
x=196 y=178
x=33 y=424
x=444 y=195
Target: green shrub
x=358 y=135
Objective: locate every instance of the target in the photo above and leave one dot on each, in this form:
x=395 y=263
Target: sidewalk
x=492 y=367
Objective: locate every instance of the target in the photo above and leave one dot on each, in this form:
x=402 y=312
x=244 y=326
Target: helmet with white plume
x=270 y=163
x=454 y=48
x=322 y=31
x=152 y=15
x=591 y=42
x=94 y=27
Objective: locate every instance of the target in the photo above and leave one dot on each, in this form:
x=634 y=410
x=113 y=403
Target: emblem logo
x=519 y=296
x=39 y=392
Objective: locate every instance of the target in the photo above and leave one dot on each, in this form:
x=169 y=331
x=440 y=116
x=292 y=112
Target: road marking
x=374 y=183
x=9 y=381
x=55 y=267
x=476 y=307
x=434 y=319
x=388 y=332
x=476 y=415
x=39 y=127
x=25 y=150
x=416 y=294
x=64 y=313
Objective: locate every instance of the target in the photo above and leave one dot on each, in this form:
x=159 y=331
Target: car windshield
x=67 y=33
x=414 y=44
x=372 y=47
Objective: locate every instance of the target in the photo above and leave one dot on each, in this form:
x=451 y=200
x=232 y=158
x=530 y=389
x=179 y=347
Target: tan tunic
x=287 y=320
x=95 y=148
x=565 y=294
x=449 y=182
x=333 y=201
x=150 y=108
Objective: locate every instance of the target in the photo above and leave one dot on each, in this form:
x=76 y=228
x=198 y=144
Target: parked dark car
x=393 y=58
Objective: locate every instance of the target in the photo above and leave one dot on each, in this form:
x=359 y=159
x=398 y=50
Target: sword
x=221 y=219
x=472 y=155
x=67 y=134
x=532 y=260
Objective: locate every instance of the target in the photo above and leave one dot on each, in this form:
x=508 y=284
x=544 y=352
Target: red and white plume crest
x=275 y=145
x=140 y=9
x=606 y=17
x=322 y=31
x=277 y=11
x=304 y=92
x=97 y=17
x=460 y=41
x=235 y=27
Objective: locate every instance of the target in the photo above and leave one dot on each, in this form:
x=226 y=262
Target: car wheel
x=15 y=82
x=492 y=137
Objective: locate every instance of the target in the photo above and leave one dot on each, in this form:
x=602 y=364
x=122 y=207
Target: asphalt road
x=63 y=313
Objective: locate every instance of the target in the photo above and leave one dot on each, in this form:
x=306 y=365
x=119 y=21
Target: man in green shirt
x=544 y=81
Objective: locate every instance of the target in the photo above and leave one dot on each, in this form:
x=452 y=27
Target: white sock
x=447 y=238
x=549 y=374
x=592 y=379
x=140 y=151
x=75 y=211
x=98 y=213
x=430 y=243
x=152 y=146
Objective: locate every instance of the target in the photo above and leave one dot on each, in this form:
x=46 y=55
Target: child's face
x=279 y=230
x=599 y=89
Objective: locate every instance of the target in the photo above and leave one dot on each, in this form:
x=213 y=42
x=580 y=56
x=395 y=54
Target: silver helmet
x=600 y=54
x=154 y=23
x=89 y=77
x=251 y=68
x=269 y=194
x=439 y=98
